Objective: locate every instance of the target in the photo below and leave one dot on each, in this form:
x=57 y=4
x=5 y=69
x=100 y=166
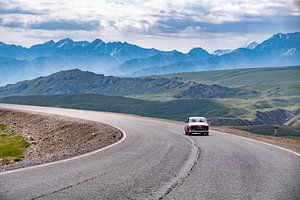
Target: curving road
x=156 y=161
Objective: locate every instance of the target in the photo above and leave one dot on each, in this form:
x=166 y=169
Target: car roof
x=197 y=118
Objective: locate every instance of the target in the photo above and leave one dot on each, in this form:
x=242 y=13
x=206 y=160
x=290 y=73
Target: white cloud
x=134 y=19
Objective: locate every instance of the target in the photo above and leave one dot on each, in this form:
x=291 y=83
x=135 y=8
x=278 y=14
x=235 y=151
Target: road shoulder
x=54 y=137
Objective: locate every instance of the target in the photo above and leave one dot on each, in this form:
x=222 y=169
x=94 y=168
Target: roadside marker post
x=275 y=131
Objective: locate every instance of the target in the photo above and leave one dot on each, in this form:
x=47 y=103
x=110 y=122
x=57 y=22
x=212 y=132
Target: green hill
x=84 y=82
x=176 y=109
x=279 y=81
x=77 y=81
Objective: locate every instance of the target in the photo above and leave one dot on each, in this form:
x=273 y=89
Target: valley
x=230 y=87
x=236 y=97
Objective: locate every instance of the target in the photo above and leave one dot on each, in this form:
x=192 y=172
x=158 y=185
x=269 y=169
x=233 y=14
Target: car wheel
x=186 y=132
x=207 y=133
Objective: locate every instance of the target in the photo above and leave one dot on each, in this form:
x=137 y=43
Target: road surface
x=156 y=161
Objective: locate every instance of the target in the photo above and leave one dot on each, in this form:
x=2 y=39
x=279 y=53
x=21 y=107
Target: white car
x=196 y=125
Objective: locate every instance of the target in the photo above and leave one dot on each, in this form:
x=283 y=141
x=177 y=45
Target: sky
x=162 y=24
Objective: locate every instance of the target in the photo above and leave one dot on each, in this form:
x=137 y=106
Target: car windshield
x=198 y=120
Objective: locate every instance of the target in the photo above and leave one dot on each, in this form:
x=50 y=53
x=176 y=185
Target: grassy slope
x=177 y=110
x=250 y=106
x=279 y=87
x=279 y=81
x=11 y=145
x=81 y=82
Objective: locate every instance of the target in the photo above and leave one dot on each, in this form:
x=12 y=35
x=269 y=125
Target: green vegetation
x=279 y=81
x=11 y=145
x=2 y=127
x=82 y=82
x=286 y=131
x=239 y=94
x=176 y=109
x=250 y=106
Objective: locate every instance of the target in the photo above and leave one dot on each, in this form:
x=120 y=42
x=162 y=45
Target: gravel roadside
x=291 y=144
x=54 y=137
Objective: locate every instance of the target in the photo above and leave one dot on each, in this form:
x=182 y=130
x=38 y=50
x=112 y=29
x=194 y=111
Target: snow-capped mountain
x=121 y=58
x=251 y=45
x=278 y=50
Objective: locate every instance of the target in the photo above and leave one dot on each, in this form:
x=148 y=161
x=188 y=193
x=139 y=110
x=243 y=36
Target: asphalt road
x=156 y=161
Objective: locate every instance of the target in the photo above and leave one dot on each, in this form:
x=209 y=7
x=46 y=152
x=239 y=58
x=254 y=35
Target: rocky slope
x=278 y=116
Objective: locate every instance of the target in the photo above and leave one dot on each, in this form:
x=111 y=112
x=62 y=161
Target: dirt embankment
x=55 y=137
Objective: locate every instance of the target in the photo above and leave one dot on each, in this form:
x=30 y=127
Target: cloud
x=136 y=19
x=17 y=11
x=9 y=7
x=11 y=24
x=66 y=25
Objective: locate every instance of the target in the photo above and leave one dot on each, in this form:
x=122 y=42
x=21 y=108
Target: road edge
x=258 y=141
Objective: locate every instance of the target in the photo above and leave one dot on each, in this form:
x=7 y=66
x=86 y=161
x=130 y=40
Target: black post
x=275 y=131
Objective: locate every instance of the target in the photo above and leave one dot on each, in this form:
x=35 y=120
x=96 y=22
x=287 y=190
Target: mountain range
x=120 y=58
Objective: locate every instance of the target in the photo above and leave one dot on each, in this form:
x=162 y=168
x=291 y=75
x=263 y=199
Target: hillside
x=198 y=91
x=279 y=81
x=256 y=83
x=217 y=112
x=177 y=109
x=78 y=82
x=227 y=97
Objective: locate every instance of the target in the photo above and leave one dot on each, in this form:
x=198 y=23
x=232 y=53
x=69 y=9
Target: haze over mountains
x=120 y=58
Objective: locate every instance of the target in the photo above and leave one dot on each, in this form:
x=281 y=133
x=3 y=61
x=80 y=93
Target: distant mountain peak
x=197 y=49
x=97 y=41
x=279 y=35
x=251 y=45
x=64 y=42
x=198 y=53
x=50 y=42
x=285 y=36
